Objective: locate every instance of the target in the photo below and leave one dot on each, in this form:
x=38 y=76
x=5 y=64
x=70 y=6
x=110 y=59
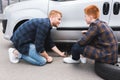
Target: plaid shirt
x=36 y=31
x=100 y=43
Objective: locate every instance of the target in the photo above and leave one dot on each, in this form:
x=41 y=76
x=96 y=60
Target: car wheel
x=107 y=71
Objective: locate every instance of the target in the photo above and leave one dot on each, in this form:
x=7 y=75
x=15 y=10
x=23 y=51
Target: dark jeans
x=76 y=50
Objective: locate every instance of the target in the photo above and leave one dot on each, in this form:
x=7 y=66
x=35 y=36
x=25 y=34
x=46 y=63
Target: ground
x=57 y=70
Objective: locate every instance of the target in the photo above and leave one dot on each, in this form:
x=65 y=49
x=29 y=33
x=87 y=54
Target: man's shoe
x=12 y=57
x=70 y=60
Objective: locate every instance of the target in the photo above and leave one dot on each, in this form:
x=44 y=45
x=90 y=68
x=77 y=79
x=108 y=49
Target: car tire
x=107 y=71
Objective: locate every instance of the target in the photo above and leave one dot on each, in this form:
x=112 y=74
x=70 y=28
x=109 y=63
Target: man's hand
x=55 y=49
x=49 y=59
x=62 y=54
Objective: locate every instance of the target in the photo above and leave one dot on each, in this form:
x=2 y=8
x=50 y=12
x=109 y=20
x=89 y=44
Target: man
x=98 y=42
x=29 y=40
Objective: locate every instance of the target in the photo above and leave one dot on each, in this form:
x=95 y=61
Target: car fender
x=19 y=16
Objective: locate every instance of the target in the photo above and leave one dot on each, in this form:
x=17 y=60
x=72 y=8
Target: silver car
x=73 y=21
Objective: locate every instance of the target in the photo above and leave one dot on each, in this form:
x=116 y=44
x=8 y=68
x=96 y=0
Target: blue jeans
x=76 y=50
x=34 y=57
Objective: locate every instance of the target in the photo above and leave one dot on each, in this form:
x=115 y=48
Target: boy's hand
x=84 y=31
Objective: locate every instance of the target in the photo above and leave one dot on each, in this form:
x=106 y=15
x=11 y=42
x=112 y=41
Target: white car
x=73 y=20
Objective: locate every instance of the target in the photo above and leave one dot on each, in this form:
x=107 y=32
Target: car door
x=73 y=17
x=115 y=14
x=114 y=20
x=73 y=11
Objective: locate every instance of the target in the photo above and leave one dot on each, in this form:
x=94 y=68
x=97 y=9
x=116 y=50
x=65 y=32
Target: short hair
x=93 y=11
x=54 y=12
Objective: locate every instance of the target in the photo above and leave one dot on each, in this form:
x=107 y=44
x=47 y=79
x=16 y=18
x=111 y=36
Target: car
x=73 y=20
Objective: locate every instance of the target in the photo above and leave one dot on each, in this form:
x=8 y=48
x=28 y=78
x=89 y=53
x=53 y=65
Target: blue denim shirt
x=36 y=31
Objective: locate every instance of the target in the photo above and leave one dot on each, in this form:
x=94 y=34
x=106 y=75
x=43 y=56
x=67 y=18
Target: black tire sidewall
x=107 y=71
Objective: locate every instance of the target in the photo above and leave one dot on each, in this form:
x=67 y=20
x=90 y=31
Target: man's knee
x=42 y=62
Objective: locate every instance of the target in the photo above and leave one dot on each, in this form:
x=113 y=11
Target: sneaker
x=70 y=60
x=83 y=60
x=12 y=57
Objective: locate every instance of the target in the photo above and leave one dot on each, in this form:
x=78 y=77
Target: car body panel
x=73 y=17
x=115 y=18
x=73 y=11
x=16 y=13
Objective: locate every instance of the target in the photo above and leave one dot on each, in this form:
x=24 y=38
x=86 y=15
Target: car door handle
x=106 y=7
x=116 y=8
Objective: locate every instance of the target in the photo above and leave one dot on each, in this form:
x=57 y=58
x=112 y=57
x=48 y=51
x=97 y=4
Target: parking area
x=57 y=70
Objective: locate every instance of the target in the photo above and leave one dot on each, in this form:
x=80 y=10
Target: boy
x=98 y=42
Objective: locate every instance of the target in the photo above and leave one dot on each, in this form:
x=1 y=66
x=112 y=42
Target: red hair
x=92 y=10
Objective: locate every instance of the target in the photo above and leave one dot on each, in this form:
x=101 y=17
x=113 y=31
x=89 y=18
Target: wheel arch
x=18 y=24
